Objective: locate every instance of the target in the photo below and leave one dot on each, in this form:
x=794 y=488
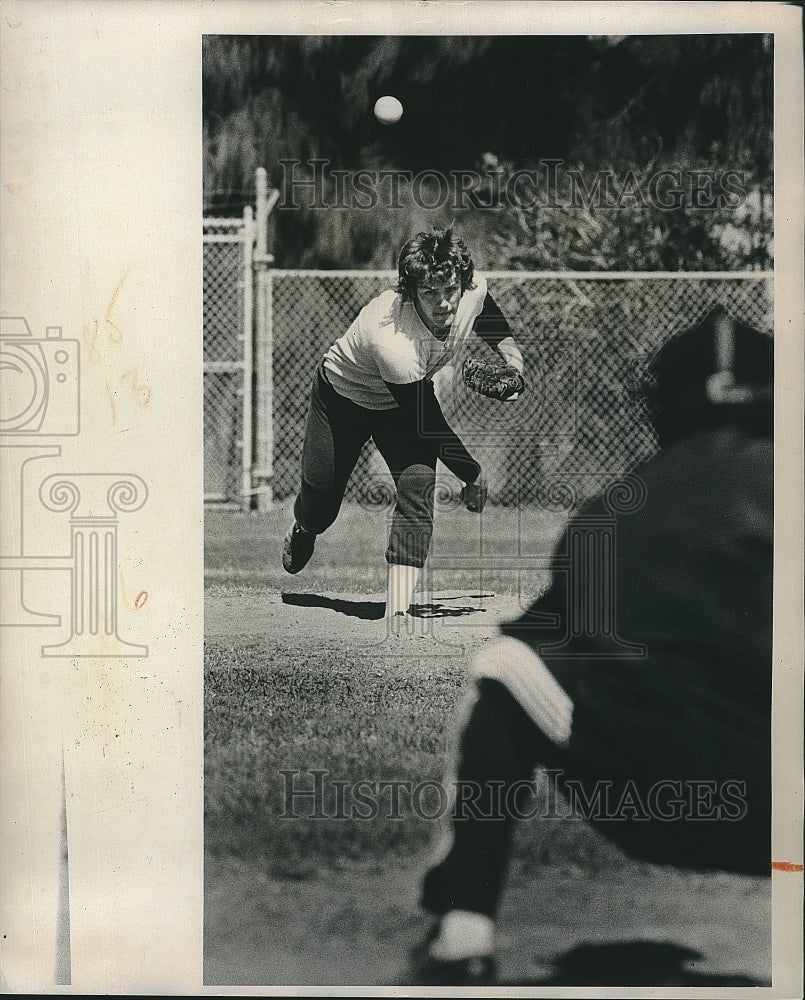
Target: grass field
x=300 y=676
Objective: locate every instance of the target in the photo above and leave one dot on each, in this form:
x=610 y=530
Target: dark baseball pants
x=335 y=432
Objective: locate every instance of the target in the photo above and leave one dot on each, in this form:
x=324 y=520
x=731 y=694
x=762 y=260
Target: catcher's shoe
x=425 y=970
x=297 y=549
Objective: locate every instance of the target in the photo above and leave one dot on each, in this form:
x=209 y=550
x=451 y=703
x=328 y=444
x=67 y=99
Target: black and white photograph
x=401 y=552
x=489 y=461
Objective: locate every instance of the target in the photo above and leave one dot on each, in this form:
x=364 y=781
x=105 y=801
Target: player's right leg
x=335 y=431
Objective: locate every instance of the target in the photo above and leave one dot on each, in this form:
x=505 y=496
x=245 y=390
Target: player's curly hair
x=433 y=256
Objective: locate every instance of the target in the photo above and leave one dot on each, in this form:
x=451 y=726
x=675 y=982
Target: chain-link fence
x=584 y=338
x=227 y=358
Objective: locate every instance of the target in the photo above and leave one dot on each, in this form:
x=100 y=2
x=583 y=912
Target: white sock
x=401 y=582
x=463 y=934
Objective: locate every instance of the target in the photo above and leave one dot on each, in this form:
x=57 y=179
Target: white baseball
x=388 y=110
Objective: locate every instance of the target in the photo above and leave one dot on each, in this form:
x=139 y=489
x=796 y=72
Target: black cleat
x=479 y=970
x=297 y=549
x=425 y=970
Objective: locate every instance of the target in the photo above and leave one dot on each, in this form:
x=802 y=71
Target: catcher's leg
x=497 y=751
x=498 y=748
x=335 y=432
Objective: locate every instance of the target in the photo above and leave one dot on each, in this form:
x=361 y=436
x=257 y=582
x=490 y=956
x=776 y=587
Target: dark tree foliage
x=637 y=103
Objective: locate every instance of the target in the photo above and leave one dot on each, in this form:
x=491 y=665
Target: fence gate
x=228 y=310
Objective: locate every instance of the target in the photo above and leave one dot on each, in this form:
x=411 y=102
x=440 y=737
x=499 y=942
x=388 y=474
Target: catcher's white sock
x=463 y=934
x=401 y=582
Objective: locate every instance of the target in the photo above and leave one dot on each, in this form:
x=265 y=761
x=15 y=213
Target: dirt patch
x=354 y=927
x=449 y=622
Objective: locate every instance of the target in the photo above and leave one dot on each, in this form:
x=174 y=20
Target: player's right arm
x=419 y=405
x=493 y=328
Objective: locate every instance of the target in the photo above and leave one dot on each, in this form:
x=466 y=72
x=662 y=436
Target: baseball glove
x=491 y=378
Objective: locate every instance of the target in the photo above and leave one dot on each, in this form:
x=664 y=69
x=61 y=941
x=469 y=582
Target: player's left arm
x=494 y=330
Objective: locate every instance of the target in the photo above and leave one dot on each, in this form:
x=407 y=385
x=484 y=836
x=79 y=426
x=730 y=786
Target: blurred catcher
x=376 y=382
x=693 y=586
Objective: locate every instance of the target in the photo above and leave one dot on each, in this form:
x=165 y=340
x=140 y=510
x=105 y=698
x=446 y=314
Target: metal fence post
x=248 y=356
x=264 y=376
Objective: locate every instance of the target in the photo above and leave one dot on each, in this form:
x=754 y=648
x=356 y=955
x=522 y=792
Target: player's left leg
x=410 y=534
x=412 y=463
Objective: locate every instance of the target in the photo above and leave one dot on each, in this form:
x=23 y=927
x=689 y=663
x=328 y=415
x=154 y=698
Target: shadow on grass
x=633 y=963
x=365 y=610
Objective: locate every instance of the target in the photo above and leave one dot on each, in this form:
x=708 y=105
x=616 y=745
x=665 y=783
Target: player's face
x=437 y=302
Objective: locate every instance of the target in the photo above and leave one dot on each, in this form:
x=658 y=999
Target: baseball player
x=376 y=382
x=663 y=719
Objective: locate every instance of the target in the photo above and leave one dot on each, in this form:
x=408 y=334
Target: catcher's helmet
x=719 y=372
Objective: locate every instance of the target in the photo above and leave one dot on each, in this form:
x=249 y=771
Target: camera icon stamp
x=39 y=380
